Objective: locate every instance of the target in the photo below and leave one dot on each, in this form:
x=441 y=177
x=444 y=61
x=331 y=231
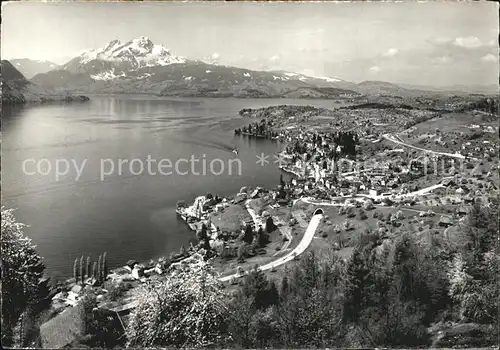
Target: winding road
x=299 y=249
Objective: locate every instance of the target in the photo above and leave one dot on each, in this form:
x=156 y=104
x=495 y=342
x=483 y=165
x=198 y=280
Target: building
x=462 y=211
x=61 y=330
x=445 y=221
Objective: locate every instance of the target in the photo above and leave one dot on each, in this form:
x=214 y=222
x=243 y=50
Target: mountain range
x=30 y=68
x=139 y=66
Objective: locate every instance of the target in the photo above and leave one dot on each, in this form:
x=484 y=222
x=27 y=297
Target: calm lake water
x=128 y=216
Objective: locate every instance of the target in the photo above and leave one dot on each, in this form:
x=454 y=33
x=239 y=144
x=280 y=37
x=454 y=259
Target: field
x=231 y=218
x=333 y=233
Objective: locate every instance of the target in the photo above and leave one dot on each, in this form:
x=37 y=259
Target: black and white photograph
x=250 y=174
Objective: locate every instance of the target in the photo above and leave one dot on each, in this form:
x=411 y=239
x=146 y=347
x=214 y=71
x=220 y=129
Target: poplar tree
x=88 y=267
x=94 y=270
x=75 y=270
x=104 y=265
x=99 y=269
x=82 y=269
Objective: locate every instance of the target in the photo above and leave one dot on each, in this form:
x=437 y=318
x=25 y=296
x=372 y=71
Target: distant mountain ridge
x=469 y=89
x=140 y=66
x=29 y=68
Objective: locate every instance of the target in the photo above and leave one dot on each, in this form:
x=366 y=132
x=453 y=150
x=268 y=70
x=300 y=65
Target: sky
x=434 y=43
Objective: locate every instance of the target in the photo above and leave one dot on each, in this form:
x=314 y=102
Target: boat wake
x=208 y=143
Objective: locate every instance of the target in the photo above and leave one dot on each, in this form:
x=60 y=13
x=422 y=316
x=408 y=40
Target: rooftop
x=62 y=329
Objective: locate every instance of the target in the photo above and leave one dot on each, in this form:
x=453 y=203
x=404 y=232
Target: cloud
x=215 y=56
x=492 y=43
x=468 y=42
x=391 y=52
x=440 y=40
x=375 y=69
x=274 y=58
x=307 y=32
x=441 y=60
x=489 y=58
x=312 y=49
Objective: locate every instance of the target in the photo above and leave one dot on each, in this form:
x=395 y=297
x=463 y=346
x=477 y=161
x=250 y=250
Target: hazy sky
x=436 y=43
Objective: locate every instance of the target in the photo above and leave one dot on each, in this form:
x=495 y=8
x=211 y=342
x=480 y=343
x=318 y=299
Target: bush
x=362 y=215
x=350 y=212
x=368 y=205
x=117 y=291
x=242 y=252
x=347 y=225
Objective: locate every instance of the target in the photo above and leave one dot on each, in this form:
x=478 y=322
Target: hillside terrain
x=16 y=89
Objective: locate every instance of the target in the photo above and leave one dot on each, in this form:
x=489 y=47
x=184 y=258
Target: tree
x=203 y=236
x=262 y=237
x=474 y=273
x=86 y=307
x=347 y=225
x=285 y=286
x=99 y=269
x=75 y=270
x=88 y=267
x=242 y=252
x=187 y=309
x=310 y=308
x=94 y=270
x=104 y=266
x=400 y=215
x=257 y=286
x=264 y=328
x=202 y=233
x=362 y=214
x=82 y=269
x=270 y=226
x=350 y=212
x=248 y=236
x=241 y=311
x=368 y=205
x=22 y=268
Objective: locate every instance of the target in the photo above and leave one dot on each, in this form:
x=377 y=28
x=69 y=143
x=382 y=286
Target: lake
x=96 y=205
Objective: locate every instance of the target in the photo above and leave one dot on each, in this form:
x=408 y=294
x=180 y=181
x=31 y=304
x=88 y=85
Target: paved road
x=399 y=142
x=299 y=249
x=395 y=196
x=328 y=204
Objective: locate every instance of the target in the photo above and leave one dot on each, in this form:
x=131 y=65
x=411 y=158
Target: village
x=360 y=169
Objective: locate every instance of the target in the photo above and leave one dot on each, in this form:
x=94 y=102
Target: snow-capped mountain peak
x=140 y=52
